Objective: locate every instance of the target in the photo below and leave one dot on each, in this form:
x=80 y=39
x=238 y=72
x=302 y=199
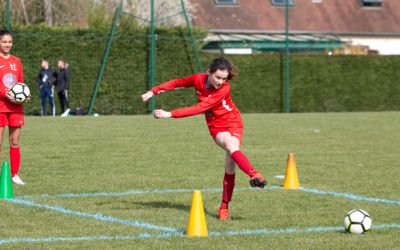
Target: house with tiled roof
x=319 y=26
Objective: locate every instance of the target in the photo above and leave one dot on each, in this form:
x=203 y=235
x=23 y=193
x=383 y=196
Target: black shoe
x=257 y=181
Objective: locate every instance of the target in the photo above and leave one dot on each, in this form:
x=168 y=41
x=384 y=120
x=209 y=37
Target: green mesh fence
x=126 y=74
x=319 y=83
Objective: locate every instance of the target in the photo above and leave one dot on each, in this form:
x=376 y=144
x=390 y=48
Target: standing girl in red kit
x=11 y=114
x=223 y=120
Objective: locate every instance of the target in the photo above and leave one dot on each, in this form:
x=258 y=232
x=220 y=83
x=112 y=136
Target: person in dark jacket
x=46 y=80
x=63 y=84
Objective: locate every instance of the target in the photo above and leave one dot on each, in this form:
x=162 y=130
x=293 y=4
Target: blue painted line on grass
x=295 y=230
x=386 y=226
x=86 y=238
x=276 y=231
x=211 y=190
x=350 y=196
x=170 y=235
x=136 y=192
x=99 y=217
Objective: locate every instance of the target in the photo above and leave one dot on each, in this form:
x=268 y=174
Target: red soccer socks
x=15 y=159
x=229 y=184
x=243 y=163
x=256 y=180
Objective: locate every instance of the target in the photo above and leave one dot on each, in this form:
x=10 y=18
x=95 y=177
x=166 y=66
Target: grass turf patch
x=340 y=152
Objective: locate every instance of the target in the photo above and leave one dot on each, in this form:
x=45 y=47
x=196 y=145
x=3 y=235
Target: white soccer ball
x=20 y=92
x=357 y=221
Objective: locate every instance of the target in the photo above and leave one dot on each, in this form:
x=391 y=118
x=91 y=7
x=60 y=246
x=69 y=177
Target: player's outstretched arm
x=146 y=96
x=159 y=113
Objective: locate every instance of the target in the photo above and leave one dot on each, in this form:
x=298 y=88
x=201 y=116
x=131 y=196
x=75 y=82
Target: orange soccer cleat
x=223 y=214
x=257 y=180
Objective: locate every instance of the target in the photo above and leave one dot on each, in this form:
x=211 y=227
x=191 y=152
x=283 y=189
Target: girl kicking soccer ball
x=223 y=120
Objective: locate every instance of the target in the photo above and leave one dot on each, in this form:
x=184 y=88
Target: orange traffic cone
x=291 y=178
x=197 y=221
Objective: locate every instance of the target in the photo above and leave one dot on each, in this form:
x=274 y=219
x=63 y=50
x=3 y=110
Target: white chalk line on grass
x=170 y=235
x=100 y=217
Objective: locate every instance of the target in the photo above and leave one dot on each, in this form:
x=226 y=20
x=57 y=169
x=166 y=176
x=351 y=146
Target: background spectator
x=46 y=80
x=63 y=83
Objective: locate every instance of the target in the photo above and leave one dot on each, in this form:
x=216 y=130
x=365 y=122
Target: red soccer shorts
x=11 y=119
x=236 y=132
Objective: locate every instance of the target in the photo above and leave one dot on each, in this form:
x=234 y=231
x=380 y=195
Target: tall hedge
x=318 y=83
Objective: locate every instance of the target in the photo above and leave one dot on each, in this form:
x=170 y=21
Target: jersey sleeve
x=185 y=82
x=201 y=107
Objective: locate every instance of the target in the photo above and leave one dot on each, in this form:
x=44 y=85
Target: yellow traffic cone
x=291 y=178
x=197 y=221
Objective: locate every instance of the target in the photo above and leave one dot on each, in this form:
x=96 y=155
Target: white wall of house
x=384 y=46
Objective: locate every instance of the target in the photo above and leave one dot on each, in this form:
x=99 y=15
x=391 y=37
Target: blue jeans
x=44 y=94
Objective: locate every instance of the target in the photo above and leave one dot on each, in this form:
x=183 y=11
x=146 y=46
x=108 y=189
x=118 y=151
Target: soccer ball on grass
x=357 y=221
x=20 y=93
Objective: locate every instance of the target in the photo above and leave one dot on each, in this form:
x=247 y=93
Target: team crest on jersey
x=9 y=80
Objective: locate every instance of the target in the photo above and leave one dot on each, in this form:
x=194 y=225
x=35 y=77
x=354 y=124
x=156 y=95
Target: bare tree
x=76 y=12
x=24 y=12
x=48 y=12
x=166 y=12
x=51 y=12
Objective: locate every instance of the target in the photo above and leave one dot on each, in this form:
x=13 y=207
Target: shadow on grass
x=182 y=207
x=162 y=204
x=127 y=205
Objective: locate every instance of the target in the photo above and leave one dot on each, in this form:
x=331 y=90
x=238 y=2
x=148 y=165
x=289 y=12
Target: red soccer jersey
x=10 y=73
x=216 y=104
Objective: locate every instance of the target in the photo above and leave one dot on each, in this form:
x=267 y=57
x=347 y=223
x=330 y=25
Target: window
x=371 y=3
x=282 y=2
x=226 y=2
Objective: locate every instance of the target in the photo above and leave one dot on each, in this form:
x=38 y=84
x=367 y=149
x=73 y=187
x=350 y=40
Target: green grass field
x=126 y=182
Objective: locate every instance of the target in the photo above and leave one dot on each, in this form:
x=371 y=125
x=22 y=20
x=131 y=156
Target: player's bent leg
x=232 y=145
x=258 y=181
x=230 y=164
x=228 y=142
